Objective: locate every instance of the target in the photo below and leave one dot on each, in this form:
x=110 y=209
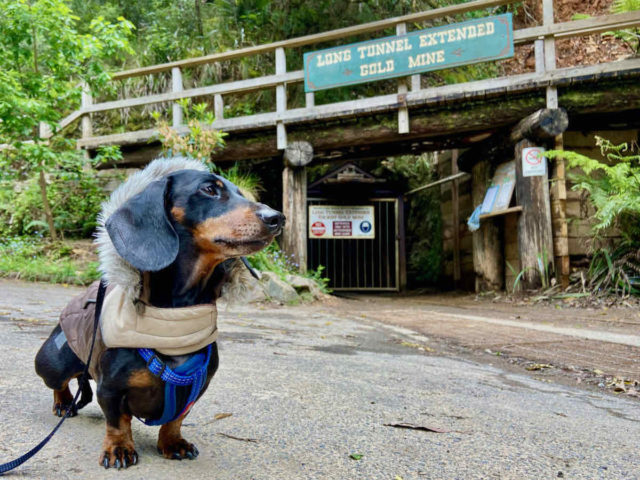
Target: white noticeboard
x=534 y=163
x=341 y=221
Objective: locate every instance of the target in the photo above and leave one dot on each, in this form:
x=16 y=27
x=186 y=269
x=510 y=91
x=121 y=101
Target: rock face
x=277 y=289
x=303 y=284
x=272 y=287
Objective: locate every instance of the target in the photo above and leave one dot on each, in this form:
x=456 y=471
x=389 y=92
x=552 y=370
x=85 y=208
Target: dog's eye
x=211 y=190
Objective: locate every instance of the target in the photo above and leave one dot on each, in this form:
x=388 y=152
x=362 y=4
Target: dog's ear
x=141 y=231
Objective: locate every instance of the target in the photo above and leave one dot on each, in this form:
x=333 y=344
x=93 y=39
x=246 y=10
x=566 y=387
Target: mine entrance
x=355 y=231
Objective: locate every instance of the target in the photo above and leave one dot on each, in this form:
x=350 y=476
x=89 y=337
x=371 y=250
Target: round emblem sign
x=318 y=229
x=365 y=226
x=533 y=156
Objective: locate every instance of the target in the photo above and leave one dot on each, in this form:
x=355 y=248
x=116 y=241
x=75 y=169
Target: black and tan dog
x=170 y=238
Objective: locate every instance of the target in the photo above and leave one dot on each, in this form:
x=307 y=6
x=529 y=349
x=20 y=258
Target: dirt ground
x=596 y=348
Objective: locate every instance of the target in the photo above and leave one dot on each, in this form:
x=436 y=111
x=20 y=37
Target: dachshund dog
x=183 y=233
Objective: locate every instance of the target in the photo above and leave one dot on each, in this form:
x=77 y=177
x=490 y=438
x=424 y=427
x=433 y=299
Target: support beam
x=558 y=191
x=488 y=260
x=455 y=209
x=535 y=237
x=543 y=125
x=298 y=154
x=294 y=207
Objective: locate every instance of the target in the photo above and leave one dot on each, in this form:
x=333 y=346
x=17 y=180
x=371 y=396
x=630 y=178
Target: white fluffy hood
x=112 y=266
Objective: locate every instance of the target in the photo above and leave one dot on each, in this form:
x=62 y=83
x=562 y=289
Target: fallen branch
x=410 y=426
x=250 y=440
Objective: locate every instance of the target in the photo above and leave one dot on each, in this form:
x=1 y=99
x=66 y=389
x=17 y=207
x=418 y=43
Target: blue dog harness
x=191 y=373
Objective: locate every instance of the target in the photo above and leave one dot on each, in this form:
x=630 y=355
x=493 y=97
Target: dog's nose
x=273 y=220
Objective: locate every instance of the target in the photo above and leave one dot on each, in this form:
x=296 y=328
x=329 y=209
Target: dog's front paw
x=119 y=456
x=177 y=449
x=60 y=409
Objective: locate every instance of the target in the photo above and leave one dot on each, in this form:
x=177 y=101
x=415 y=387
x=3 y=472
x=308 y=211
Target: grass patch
x=36 y=259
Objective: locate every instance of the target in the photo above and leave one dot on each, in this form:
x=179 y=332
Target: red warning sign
x=318 y=229
x=534 y=162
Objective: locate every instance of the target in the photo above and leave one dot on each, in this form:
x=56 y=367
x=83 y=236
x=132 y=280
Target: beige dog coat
x=171 y=331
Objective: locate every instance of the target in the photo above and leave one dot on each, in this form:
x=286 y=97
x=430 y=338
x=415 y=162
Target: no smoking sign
x=534 y=163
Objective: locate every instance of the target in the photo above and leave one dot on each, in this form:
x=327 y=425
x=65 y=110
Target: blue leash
x=6 y=467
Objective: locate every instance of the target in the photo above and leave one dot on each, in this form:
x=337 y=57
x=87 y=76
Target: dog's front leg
x=172 y=445
x=118 y=449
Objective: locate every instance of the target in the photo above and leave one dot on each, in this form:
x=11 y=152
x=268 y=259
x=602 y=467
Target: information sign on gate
x=341 y=221
x=479 y=40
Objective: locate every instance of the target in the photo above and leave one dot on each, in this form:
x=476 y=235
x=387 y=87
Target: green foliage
x=614 y=193
x=616 y=270
x=35 y=260
x=544 y=267
x=75 y=197
x=424 y=219
x=630 y=36
x=44 y=59
x=614 y=186
x=272 y=259
x=200 y=142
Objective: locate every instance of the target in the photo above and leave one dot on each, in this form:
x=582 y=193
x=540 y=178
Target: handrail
x=314 y=38
x=560 y=30
x=544 y=73
x=576 y=28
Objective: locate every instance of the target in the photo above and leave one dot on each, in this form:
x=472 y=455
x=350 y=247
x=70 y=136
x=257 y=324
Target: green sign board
x=479 y=40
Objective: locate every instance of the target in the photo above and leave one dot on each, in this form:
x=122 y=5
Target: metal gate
x=361 y=264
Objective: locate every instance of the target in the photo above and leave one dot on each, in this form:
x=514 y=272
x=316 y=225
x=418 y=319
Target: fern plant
x=614 y=192
x=614 y=187
x=630 y=36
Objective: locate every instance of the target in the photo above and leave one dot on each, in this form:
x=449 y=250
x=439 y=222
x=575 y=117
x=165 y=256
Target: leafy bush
x=614 y=192
x=614 y=187
x=75 y=198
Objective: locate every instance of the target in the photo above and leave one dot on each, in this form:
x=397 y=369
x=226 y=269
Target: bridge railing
x=546 y=76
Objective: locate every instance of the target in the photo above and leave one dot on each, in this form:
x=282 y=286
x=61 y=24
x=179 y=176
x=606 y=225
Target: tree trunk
x=47 y=207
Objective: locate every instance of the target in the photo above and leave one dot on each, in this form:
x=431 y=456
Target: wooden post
x=176 y=86
x=218 y=107
x=85 y=101
x=535 y=240
x=310 y=99
x=455 y=209
x=294 y=201
x=549 y=52
x=403 y=112
x=488 y=261
x=281 y=99
x=294 y=207
x=558 y=191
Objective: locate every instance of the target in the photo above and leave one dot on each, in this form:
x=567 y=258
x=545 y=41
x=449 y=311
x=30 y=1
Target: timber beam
x=543 y=125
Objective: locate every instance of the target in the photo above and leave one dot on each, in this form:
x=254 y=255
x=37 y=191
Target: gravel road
x=307 y=390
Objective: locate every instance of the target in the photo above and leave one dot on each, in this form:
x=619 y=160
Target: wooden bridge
x=413 y=119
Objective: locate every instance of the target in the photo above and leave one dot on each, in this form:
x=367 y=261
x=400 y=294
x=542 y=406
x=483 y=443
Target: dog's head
x=194 y=208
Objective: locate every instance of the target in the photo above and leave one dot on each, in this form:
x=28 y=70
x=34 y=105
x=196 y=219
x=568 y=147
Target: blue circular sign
x=365 y=226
